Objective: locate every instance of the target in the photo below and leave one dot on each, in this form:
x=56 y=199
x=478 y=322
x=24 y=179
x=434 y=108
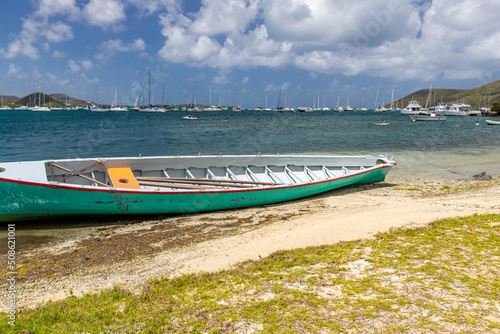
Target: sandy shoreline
x=213 y=241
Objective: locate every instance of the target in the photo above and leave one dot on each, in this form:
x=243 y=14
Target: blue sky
x=252 y=47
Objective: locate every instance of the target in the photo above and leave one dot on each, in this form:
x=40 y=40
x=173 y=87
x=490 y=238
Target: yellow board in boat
x=122 y=177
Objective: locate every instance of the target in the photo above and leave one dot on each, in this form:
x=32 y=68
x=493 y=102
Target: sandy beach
x=129 y=253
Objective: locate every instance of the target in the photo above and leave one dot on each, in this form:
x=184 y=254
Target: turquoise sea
x=457 y=148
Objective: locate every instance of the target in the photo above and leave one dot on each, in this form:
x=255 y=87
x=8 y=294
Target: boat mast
x=429 y=98
x=149 y=86
x=195 y=96
x=392 y=99
x=376 y=98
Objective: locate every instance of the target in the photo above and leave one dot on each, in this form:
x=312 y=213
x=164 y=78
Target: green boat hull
x=29 y=201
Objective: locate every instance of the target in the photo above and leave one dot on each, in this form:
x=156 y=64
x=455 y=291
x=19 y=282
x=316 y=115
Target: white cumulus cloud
x=400 y=39
x=38 y=24
x=224 y=16
x=112 y=46
x=104 y=13
x=80 y=65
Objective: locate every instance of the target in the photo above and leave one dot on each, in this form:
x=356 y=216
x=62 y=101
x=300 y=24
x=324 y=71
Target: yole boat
x=431 y=117
x=160 y=185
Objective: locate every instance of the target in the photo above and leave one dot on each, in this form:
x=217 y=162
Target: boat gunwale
x=52 y=184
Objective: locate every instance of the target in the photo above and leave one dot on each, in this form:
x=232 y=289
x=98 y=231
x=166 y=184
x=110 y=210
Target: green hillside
x=54 y=100
x=476 y=97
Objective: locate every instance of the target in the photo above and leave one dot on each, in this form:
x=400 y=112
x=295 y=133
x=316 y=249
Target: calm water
x=456 y=148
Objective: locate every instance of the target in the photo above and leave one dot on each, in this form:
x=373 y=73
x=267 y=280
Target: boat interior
x=204 y=172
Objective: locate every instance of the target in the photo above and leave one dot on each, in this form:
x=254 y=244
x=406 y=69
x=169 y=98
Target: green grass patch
x=439 y=278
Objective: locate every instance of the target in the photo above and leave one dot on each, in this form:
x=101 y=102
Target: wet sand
x=91 y=254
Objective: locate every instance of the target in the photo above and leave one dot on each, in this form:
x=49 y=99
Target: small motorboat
x=431 y=117
x=492 y=122
x=190 y=117
x=33 y=190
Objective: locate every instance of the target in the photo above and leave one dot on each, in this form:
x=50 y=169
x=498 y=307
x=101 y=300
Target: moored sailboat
x=2 y=106
x=97 y=107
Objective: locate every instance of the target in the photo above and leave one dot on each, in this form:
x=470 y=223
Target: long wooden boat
x=433 y=117
x=160 y=185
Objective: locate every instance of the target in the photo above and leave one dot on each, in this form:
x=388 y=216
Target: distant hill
x=10 y=99
x=476 y=97
x=50 y=100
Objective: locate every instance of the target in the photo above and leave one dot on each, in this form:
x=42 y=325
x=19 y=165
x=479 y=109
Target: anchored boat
x=431 y=117
x=160 y=185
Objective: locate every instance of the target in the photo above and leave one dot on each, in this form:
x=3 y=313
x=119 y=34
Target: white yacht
x=40 y=108
x=413 y=108
x=439 y=110
x=116 y=108
x=474 y=112
x=458 y=109
x=98 y=108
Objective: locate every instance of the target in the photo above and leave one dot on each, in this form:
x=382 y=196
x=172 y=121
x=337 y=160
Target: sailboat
x=210 y=106
x=325 y=108
x=317 y=107
x=304 y=108
x=337 y=105
x=267 y=109
x=378 y=107
x=195 y=107
x=362 y=104
x=348 y=107
x=236 y=107
x=2 y=107
x=114 y=104
x=39 y=107
x=98 y=108
x=280 y=108
x=393 y=108
x=150 y=107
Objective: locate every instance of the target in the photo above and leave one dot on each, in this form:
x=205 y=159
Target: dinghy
x=492 y=122
x=431 y=117
x=160 y=185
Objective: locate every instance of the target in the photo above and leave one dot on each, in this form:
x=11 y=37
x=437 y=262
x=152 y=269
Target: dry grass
x=441 y=278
